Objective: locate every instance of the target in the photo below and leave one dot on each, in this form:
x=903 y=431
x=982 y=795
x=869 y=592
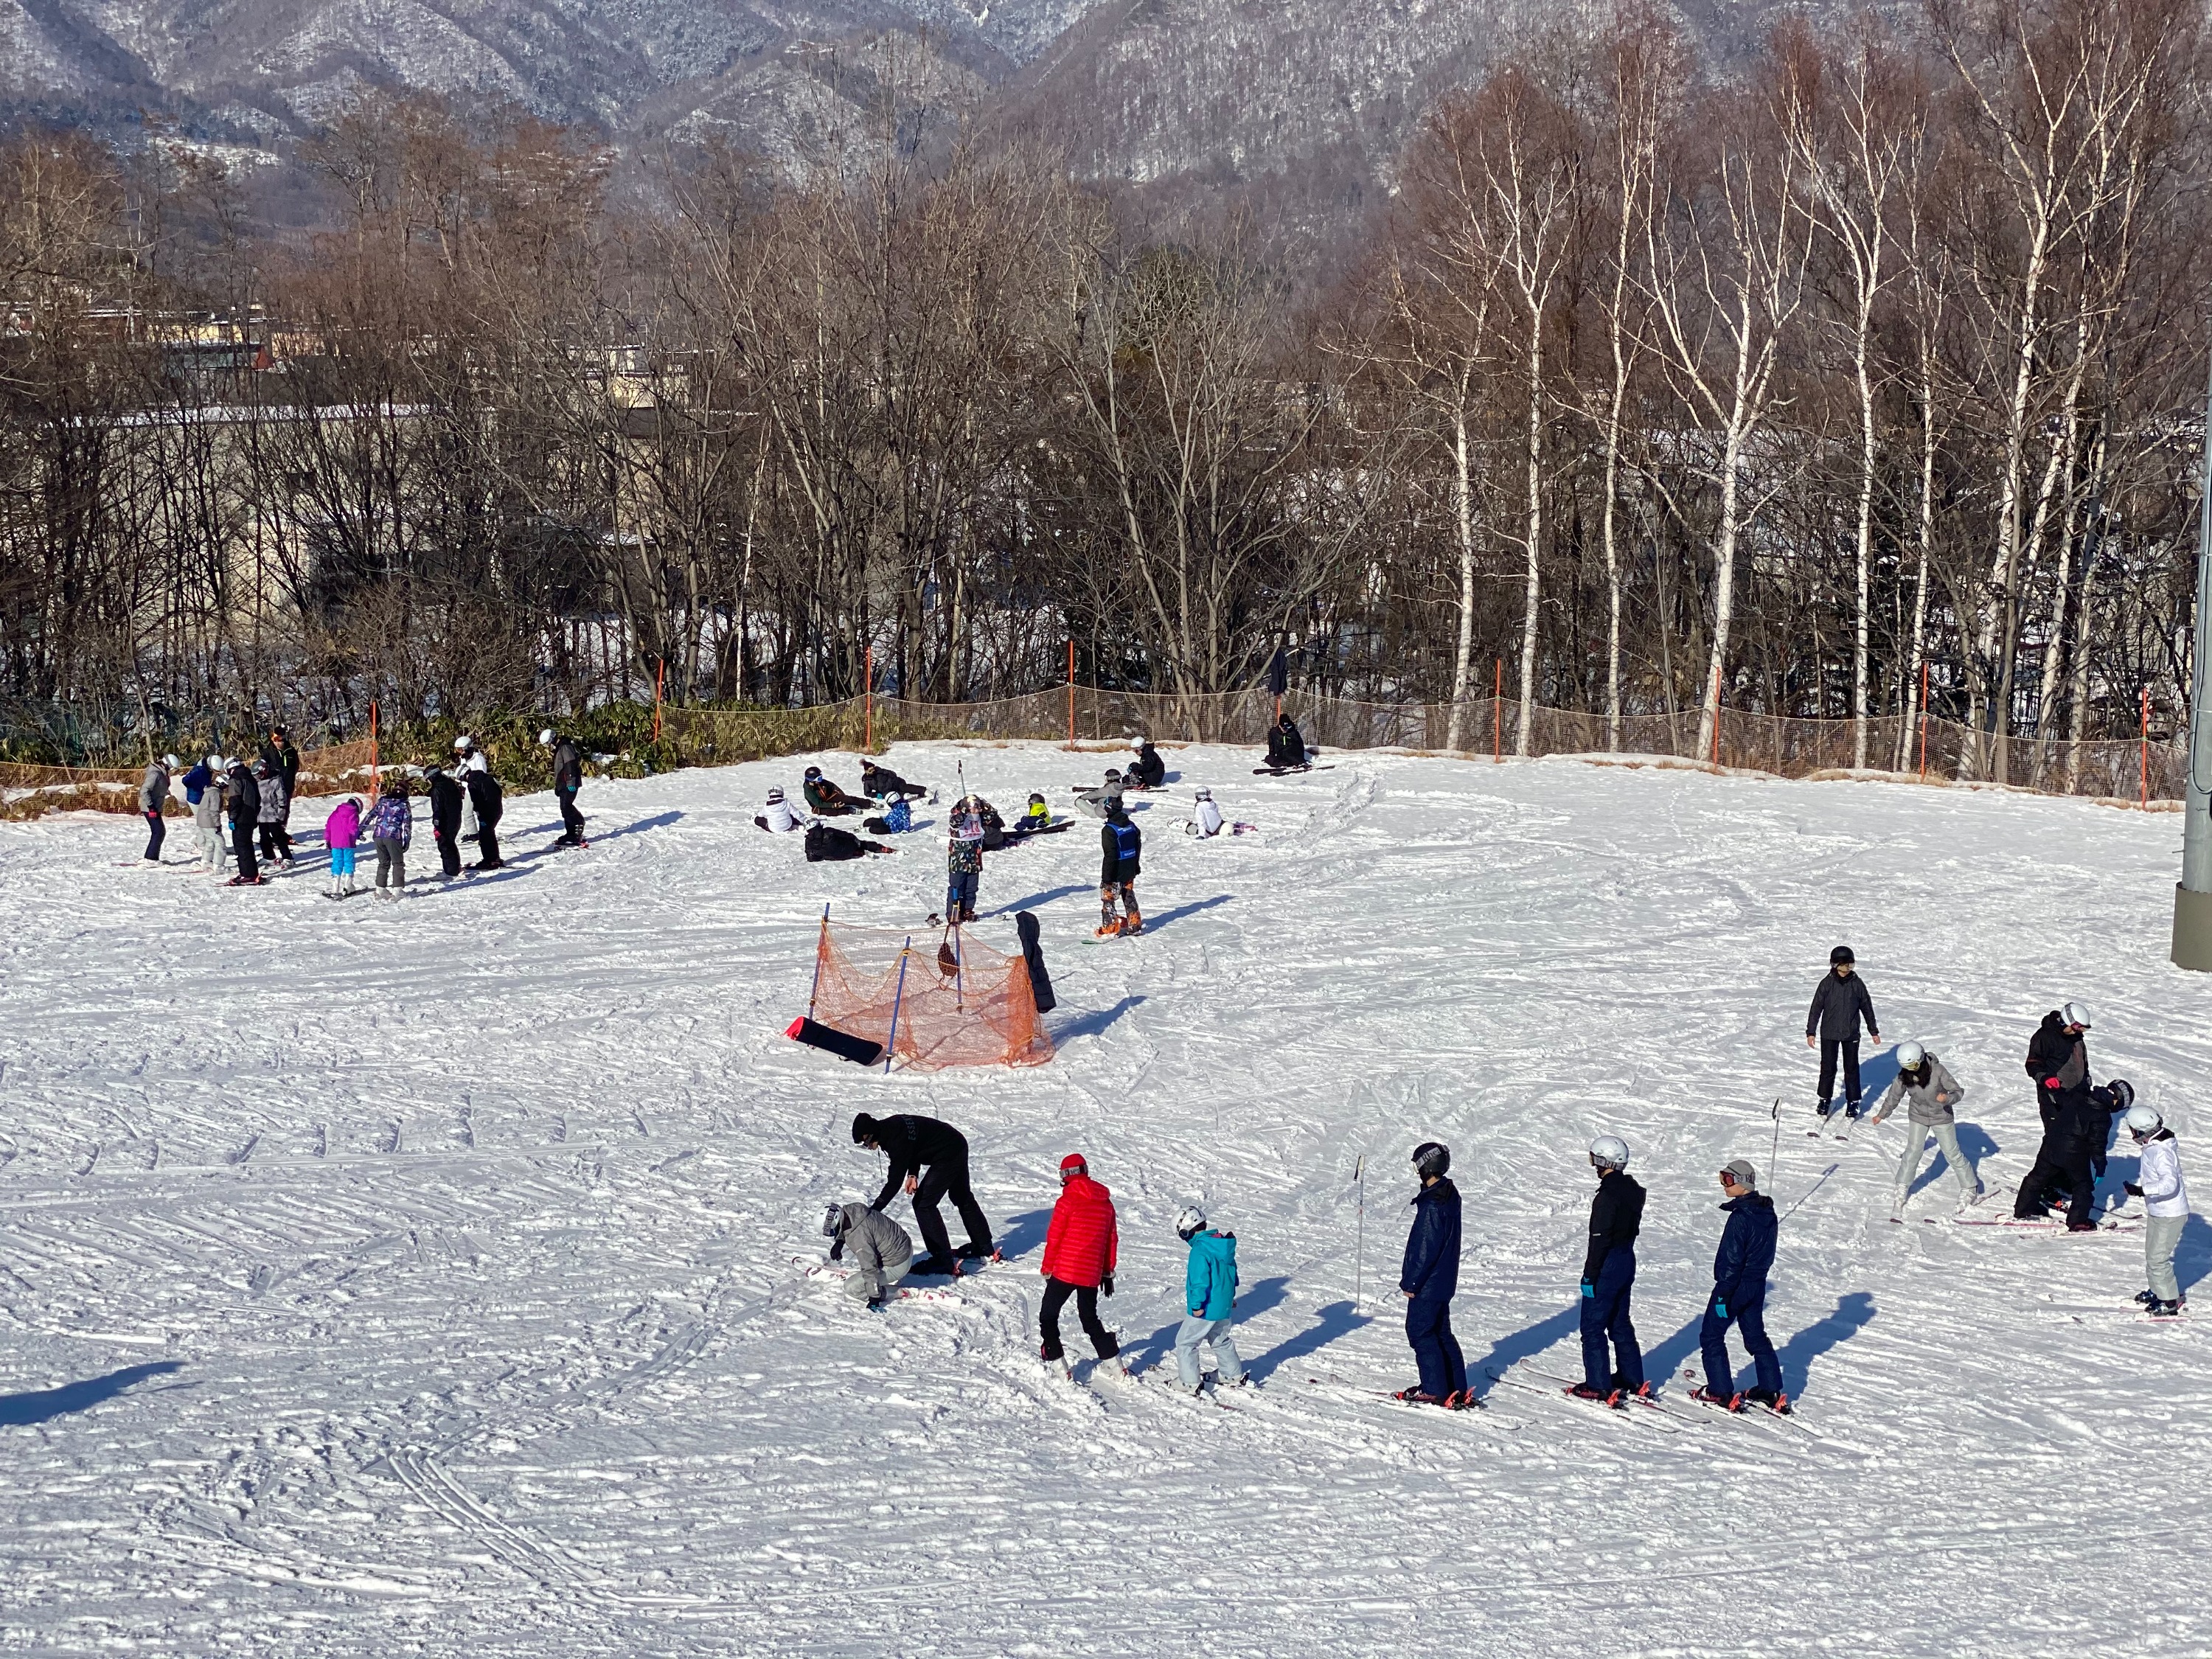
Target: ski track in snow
x=430 y=1278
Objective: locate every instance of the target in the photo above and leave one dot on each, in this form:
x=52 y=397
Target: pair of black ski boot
x=2150 y=1304
x=949 y=1266
x=1458 y=1399
x=1776 y=1403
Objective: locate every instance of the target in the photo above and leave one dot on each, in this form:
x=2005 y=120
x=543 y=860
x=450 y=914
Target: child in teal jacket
x=1209 y=1302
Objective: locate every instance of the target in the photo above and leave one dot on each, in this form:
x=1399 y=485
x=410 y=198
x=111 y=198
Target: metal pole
x=2192 y=899
x=890 y=1043
x=821 y=945
x=1359 y=1250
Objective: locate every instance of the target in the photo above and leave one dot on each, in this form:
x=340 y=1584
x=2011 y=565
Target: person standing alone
x=1120 y=844
x=1833 y=1026
x=567 y=779
x=1739 y=1297
x=153 y=797
x=1428 y=1278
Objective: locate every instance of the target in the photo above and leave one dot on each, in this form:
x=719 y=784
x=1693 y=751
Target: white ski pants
x=212 y=848
x=1197 y=1328
x=2161 y=1236
x=1947 y=1138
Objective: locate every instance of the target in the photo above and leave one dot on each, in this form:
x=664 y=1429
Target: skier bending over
x=1832 y=1026
x=2076 y=1121
x=1739 y=1297
x=2158 y=1183
x=1286 y=749
x=1930 y=1092
x=1209 y=1292
x=881 y=783
x=1080 y=1246
x=1608 y=1277
x=1119 y=843
x=914 y=1145
x=882 y=1253
x=153 y=797
x=1428 y=1279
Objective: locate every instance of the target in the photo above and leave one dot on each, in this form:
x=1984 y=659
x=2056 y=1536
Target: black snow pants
x=241 y=850
x=948 y=1178
x=572 y=821
x=1056 y=1292
x=449 y=851
x=156 y=831
x=2062 y=1162
x=1849 y=1046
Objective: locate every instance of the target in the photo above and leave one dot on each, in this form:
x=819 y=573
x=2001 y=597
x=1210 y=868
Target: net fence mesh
x=934 y=1002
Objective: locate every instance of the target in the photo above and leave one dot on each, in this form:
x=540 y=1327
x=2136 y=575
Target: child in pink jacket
x=341 y=831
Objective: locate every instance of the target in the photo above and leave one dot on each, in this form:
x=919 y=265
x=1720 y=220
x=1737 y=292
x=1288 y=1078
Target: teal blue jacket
x=1210 y=1287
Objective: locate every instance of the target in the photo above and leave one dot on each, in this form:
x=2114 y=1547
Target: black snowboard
x=1025 y=924
x=1285 y=771
x=843 y=1044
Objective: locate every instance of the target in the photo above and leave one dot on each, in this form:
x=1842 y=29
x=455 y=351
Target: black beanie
x=864 y=1128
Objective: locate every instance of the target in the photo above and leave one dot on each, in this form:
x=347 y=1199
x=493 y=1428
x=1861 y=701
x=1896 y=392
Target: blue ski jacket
x=1210 y=1286
x=1747 y=1250
x=1432 y=1269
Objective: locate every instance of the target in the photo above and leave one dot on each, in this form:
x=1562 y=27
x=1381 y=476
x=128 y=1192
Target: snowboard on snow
x=1287 y=771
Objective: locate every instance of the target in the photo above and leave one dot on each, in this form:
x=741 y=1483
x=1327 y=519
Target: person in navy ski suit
x=1429 y=1278
x=1739 y=1297
x=1609 y=1276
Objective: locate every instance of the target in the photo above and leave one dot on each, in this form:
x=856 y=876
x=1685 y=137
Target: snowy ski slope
x=426 y=1278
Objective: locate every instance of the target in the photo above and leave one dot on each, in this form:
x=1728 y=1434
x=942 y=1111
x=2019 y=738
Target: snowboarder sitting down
x=1148 y=770
x=829 y=844
x=825 y=797
x=882 y=1252
x=1206 y=818
x=777 y=817
x=1106 y=798
x=1286 y=749
x=881 y=783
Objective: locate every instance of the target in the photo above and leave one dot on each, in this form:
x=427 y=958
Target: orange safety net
x=956 y=1002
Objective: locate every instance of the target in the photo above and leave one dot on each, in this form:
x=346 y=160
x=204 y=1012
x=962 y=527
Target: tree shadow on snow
x=2193 y=1260
x=1023 y=1233
x=1092 y=1024
x=1337 y=1319
x=1854 y=1312
x=1524 y=1343
x=1153 y=923
x=49 y=1403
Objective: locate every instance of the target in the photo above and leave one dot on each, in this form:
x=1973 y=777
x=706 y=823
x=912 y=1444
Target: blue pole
x=813 y=990
x=891 y=1042
x=959 y=981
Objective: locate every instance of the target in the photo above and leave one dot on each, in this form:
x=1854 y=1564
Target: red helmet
x=1071 y=1166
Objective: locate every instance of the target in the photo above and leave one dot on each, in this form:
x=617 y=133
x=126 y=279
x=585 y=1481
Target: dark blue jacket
x=1746 y=1249
x=1431 y=1270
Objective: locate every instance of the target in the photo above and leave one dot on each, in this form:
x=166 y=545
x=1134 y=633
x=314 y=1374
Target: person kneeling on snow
x=1120 y=843
x=1286 y=749
x=881 y=783
x=2158 y=1183
x=1931 y=1092
x=1148 y=771
x=882 y=1252
x=1080 y=1246
x=779 y=815
x=1739 y=1297
x=1209 y=1287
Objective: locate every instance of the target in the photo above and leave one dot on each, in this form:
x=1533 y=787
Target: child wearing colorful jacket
x=1209 y=1302
x=391 y=827
x=341 y=831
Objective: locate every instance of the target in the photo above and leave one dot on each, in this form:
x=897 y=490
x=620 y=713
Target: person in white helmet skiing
x=1608 y=1277
x=2166 y=1199
x=1209 y=1302
x=1930 y=1092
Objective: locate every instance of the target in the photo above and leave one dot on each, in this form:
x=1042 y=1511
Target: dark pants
x=948 y=1178
x=1436 y=1350
x=2062 y=1162
x=1605 y=1315
x=156 y=831
x=241 y=850
x=449 y=852
x=960 y=894
x=1056 y=1292
x=276 y=842
x=488 y=843
x=572 y=821
x=1750 y=1320
x=1849 y=1048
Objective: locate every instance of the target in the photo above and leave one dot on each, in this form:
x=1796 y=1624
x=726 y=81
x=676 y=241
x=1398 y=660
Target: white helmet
x=1609 y=1152
x=1190 y=1221
x=212 y=761
x=1909 y=1056
x=169 y=760
x=461 y=743
x=2143 y=1120
x=1205 y=795
x=2075 y=1013
x=546 y=737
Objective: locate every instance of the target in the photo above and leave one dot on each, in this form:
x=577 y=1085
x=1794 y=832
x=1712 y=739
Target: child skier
x=1209 y=1287
x=207 y=810
x=1206 y=820
x=1739 y=1297
x=2159 y=1184
x=963 y=867
x=1428 y=1278
x=1930 y=1092
x=391 y=827
x=341 y=831
x=882 y=1252
x=1609 y=1277
x=1120 y=843
x=1833 y=1026
x=1080 y=1245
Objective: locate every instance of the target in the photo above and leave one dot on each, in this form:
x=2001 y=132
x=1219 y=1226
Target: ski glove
x=1720 y=1309
x=1589 y=1290
x=2050 y=1083
x=1106 y=1286
x=2131 y=1189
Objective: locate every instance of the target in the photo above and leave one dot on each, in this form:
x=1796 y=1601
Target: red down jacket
x=1080 y=1245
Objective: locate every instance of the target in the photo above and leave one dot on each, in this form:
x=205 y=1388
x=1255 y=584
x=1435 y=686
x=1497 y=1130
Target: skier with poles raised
x=1428 y=1279
x=1608 y=1277
x=1739 y=1297
x=914 y=1145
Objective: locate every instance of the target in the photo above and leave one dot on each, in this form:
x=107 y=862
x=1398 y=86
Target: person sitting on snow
x=881 y=783
x=1039 y=817
x=826 y=845
x=1148 y=771
x=1205 y=820
x=1104 y=800
x=882 y=1252
x=1286 y=749
x=779 y=817
x=825 y=797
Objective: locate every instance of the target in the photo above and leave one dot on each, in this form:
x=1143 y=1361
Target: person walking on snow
x=2158 y=1183
x=1209 y=1295
x=1609 y=1277
x=391 y=827
x=914 y=1145
x=153 y=796
x=1832 y=1026
x=2076 y=1121
x=963 y=867
x=1080 y=1246
x=1428 y=1278
x=882 y=1252
x=341 y=832
x=207 y=810
x=243 y=806
x=567 y=779
x=445 y=799
x=488 y=801
x=1739 y=1297
x=1930 y=1092
x=1121 y=843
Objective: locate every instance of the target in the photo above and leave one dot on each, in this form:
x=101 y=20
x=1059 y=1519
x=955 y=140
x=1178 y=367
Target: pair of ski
x=1287 y=771
x=1656 y=1412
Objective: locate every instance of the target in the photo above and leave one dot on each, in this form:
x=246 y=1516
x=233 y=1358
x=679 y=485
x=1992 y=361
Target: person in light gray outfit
x=153 y=796
x=1930 y=1092
x=880 y=1248
x=1103 y=801
x=2165 y=1203
x=207 y=816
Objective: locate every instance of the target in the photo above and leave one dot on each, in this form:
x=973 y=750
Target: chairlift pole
x=2192 y=897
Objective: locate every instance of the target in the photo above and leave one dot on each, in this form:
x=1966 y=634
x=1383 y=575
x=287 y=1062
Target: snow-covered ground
x=419 y=1277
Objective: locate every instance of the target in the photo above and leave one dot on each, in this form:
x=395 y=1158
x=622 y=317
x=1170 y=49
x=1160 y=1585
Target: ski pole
x=1774 y=1148
x=1359 y=1248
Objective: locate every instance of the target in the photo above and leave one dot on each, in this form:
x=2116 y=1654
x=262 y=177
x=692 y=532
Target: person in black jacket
x=1832 y=1023
x=1148 y=771
x=446 y=819
x=243 y=802
x=916 y=1144
x=1739 y=1297
x=1120 y=844
x=1286 y=749
x=2076 y=1121
x=1609 y=1276
x=283 y=762
x=1428 y=1280
x=567 y=779
x=881 y=783
x=489 y=801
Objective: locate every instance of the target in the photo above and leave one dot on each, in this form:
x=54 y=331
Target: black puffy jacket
x=1616 y=1218
x=1836 y=1006
x=1431 y=1266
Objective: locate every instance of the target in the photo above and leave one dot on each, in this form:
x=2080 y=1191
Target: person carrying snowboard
x=567 y=779
x=881 y=783
x=2166 y=1199
x=1739 y=1297
x=153 y=797
x=882 y=1253
x=1609 y=1278
x=1209 y=1296
x=1833 y=1026
x=1121 y=843
x=243 y=806
x=963 y=867
x=1286 y=749
x=2076 y=1121
x=1080 y=1246
x=446 y=798
x=1428 y=1278
x=487 y=802
x=1930 y=1092
x=1148 y=770
x=930 y=1159
x=341 y=831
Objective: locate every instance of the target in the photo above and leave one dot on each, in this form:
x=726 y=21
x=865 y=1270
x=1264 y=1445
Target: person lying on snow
x=881 y=783
x=1105 y=799
x=1286 y=747
x=1149 y=771
x=825 y=845
x=826 y=798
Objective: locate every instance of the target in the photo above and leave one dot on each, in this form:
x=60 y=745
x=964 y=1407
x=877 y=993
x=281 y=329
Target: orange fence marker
x=1923 y=720
x=1498 y=715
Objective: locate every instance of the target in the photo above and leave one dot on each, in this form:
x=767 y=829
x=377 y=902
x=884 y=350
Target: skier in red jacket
x=1079 y=1250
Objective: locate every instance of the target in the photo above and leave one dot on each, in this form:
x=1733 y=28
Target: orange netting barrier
x=956 y=1003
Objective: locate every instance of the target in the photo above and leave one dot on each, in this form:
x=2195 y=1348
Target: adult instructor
x=930 y=1160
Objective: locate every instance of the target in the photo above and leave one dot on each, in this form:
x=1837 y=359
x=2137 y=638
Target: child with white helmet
x=1930 y=1092
x=2158 y=1183
x=1207 y=820
x=1209 y=1302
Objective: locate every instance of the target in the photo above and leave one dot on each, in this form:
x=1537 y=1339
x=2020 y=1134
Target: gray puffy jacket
x=154 y=791
x=1931 y=1101
x=876 y=1248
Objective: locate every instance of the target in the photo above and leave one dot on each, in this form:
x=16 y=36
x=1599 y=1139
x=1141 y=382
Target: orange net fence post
x=964 y=1003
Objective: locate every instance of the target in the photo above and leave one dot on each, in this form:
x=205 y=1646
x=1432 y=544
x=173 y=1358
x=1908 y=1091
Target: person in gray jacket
x=882 y=1252
x=207 y=815
x=153 y=796
x=1103 y=801
x=1930 y=1092
x=274 y=804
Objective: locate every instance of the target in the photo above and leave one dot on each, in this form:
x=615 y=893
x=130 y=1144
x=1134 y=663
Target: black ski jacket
x=1431 y=1270
x=282 y=761
x=1120 y=844
x=911 y=1142
x=568 y=764
x=487 y=797
x=445 y=805
x=1616 y=1217
x=244 y=803
x=1284 y=746
x=1149 y=769
x=1836 y=1006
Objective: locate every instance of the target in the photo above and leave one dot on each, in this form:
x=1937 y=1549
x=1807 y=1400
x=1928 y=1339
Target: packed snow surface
x=428 y=1278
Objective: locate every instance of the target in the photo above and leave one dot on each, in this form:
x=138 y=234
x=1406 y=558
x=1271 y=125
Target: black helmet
x=863 y=1129
x=1840 y=954
x=813 y=771
x=1431 y=1158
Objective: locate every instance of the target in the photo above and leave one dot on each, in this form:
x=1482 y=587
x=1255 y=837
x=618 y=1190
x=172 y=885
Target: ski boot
x=1414 y=1396
x=971 y=1251
x=2081 y=1226
x=2146 y=1298
x=2165 y=1310
x=1596 y=1397
x=1643 y=1394
x=1776 y=1403
x=1727 y=1402
x=1056 y=1368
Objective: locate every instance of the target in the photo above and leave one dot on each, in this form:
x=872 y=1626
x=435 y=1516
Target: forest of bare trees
x=1883 y=361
